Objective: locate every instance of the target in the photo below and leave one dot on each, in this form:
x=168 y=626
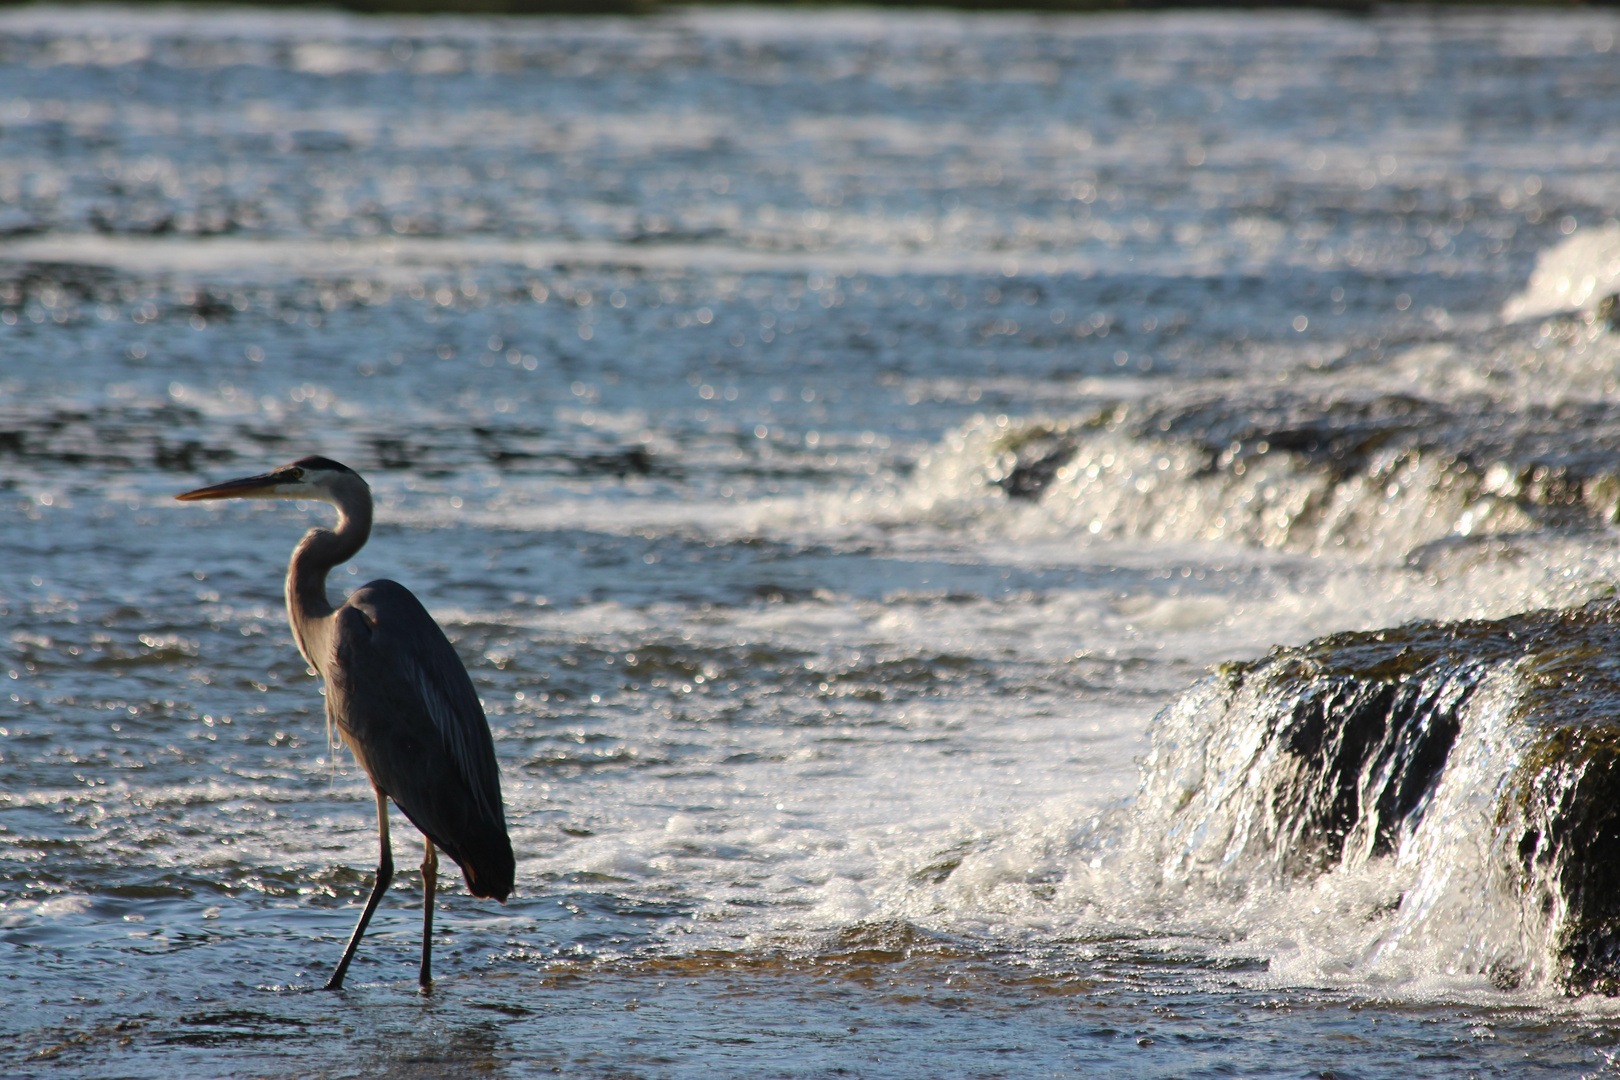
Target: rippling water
x=829 y=439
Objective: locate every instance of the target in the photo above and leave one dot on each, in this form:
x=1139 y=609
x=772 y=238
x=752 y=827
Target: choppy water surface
x=829 y=439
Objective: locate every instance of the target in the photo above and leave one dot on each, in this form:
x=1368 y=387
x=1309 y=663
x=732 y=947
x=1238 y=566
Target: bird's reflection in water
x=429 y=1049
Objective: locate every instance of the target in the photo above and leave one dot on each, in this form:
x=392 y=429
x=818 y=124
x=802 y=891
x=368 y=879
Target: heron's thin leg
x=385 y=874
x=430 y=882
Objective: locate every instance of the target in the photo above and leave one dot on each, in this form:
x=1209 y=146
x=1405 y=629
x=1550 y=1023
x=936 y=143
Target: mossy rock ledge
x=1370 y=745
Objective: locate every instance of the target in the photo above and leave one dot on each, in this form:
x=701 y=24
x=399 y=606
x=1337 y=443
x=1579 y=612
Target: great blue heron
x=397 y=694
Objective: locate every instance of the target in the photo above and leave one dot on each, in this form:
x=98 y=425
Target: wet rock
x=1036 y=456
x=120 y=436
x=1608 y=311
x=1294 y=469
x=1320 y=758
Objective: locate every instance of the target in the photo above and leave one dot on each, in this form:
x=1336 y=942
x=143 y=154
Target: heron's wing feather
x=402 y=698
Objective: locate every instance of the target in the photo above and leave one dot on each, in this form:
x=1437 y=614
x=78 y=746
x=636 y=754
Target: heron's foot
x=334 y=983
x=426 y=983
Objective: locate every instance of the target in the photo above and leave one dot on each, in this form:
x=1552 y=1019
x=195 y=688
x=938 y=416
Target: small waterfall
x=1437 y=444
x=1479 y=761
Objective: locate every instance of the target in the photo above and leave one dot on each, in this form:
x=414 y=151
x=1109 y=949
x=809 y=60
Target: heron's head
x=307 y=478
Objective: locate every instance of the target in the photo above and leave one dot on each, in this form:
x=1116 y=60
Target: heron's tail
x=489 y=867
x=470 y=834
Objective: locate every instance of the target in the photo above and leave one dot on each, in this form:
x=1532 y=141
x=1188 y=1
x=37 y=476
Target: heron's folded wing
x=402 y=696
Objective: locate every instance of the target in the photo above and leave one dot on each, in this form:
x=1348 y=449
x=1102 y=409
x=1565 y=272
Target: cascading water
x=1367 y=464
x=1476 y=759
x=1450 y=784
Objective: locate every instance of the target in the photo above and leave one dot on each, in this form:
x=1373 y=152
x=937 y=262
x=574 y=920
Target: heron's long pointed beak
x=248 y=487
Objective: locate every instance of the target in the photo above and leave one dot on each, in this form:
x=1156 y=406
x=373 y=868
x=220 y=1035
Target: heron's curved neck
x=308 y=608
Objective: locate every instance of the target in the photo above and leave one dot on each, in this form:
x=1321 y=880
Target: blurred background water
x=829 y=438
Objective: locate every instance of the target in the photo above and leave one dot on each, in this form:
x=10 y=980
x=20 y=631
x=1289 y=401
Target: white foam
x=400 y=260
x=15 y=913
x=1574 y=275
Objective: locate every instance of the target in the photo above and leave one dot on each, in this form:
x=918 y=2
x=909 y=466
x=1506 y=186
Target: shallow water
x=692 y=361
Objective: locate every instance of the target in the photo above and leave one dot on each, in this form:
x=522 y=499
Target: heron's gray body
x=394 y=691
